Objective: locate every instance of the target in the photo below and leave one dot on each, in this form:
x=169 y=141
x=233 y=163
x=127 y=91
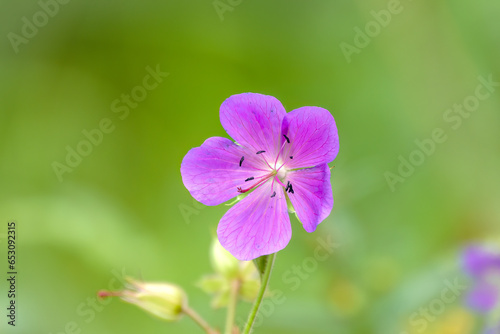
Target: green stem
x=262 y=291
x=231 y=308
x=199 y=320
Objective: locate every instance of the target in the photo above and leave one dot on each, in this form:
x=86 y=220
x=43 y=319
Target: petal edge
x=258 y=225
x=313 y=137
x=254 y=121
x=312 y=198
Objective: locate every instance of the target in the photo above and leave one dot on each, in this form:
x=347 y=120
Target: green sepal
x=289 y=204
x=237 y=199
x=261 y=263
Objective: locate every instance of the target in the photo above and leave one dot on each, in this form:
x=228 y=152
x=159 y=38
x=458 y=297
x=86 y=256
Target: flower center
x=277 y=173
x=281 y=171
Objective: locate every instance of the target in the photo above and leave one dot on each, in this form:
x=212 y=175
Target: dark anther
x=288 y=185
x=287 y=140
x=260 y=152
x=249 y=179
x=241 y=160
x=274 y=194
x=291 y=157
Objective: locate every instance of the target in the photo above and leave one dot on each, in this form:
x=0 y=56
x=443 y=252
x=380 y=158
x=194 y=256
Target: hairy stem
x=263 y=287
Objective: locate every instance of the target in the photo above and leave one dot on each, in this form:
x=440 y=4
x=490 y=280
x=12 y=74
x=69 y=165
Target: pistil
x=264 y=179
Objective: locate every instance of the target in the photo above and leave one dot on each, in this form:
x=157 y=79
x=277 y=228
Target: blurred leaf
x=249 y=289
x=213 y=284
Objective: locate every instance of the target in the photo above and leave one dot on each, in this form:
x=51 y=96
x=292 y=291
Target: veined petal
x=313 y=137
x=212 y=172
x=254 y=121
x=258 y=225
x=312 y=196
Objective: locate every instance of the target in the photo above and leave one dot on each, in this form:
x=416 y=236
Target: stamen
x=267 y=163
x=274 y=194
x=279 y=152
x=287 y=186
x=241 y=160
x=281 y=183
x=249 y=179
x=288 y=140
x=291 y=157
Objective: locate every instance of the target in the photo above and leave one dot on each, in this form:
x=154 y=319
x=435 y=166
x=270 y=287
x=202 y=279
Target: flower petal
x=313 y=137
x=478 y=259
x=254 y=121
x=212 y=172
x=492 y=329
x=258 y=225
x=312 y=196
x=483 y=297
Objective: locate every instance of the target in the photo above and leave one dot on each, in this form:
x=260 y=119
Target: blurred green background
x=123 y=208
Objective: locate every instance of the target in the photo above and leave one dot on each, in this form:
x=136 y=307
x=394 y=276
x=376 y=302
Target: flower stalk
x=231 y=308
x=263 y=287
x=199 y=320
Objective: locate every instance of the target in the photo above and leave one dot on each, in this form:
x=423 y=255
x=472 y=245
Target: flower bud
x=249 y=289
x=223 y=262
x=229 y=270
x=163 y=300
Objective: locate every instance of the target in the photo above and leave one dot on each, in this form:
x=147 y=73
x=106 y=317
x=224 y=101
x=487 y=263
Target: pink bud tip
x=104 y=294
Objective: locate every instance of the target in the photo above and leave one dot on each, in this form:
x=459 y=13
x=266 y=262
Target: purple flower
x=494 y=329
x=277 y=155
x=483 y=265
